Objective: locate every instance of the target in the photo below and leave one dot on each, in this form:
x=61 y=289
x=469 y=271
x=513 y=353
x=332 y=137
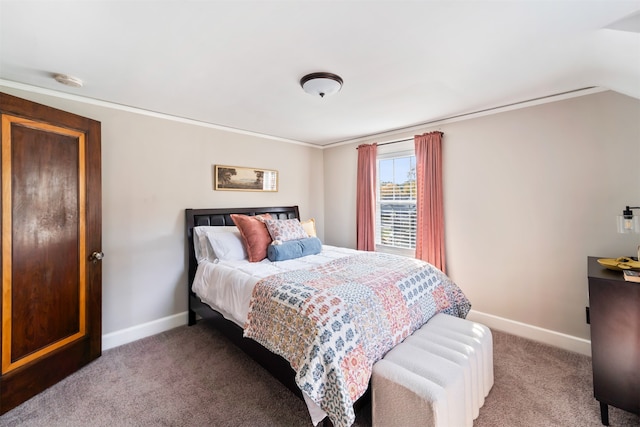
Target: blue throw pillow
x=294 y=249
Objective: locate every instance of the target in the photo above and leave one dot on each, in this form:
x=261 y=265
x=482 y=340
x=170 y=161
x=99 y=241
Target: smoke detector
x=68 y=80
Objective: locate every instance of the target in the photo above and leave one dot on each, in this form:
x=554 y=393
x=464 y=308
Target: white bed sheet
x=226 y=286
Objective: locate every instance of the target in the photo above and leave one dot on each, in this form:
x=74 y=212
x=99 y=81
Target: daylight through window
x=396 y=204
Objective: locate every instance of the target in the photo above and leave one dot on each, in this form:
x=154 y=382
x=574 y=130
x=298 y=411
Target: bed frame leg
x=192 y=318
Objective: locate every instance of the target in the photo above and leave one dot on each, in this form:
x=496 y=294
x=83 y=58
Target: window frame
x=398 y=152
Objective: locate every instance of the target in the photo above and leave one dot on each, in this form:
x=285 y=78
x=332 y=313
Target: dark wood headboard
x=222 y=217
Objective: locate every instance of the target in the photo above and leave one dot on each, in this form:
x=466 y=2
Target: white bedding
x=226 y=286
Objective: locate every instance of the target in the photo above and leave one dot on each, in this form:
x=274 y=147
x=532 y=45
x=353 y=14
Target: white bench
x=437 y=377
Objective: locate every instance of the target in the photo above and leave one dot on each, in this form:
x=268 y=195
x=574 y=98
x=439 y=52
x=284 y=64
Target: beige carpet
x=192 y=376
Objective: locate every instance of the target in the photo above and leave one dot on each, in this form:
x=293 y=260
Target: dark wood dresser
x=614 y=311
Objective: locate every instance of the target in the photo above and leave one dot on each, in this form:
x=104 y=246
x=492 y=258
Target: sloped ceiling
x=237 y=64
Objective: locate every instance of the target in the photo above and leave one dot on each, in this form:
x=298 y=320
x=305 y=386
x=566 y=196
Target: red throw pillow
x=254 y=234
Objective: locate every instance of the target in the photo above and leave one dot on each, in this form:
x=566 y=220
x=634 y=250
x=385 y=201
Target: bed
x=280 y=291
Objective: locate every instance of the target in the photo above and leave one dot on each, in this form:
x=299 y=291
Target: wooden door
x=51 y=247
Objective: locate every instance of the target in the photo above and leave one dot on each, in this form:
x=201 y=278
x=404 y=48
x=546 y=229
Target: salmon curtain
x=366 y=197
x=430 y=206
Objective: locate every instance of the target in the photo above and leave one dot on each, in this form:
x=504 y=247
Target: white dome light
x=321 y=84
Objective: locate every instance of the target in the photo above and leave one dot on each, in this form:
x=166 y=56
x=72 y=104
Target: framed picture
x=238 y=178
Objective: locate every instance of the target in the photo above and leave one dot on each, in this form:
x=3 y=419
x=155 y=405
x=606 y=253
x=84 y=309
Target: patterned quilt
x=334 y=321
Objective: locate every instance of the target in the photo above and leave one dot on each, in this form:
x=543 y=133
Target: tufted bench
x=437 y=377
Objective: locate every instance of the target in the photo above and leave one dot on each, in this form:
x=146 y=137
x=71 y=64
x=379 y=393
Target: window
x=396 y=203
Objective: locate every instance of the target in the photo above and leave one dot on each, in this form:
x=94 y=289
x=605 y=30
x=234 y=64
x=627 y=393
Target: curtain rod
x=400 y=140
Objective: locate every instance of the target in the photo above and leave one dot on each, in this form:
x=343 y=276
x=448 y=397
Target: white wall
x=529 y=194
x=154 y=168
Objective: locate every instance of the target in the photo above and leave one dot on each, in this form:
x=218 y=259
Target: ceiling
x=237 y=64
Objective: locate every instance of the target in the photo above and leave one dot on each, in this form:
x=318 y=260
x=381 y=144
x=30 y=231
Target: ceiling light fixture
x=68 y=80
x=321 y=84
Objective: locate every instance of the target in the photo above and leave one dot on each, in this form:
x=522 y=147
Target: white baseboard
x=535 y=333
x=134 y=333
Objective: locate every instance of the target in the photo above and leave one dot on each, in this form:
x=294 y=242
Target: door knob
x=96 y=256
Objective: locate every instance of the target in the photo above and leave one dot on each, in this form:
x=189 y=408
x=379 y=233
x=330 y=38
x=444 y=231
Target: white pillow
x=228 y=246
x=202 y=246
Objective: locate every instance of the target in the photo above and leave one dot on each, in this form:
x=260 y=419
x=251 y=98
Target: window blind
x=396 y=202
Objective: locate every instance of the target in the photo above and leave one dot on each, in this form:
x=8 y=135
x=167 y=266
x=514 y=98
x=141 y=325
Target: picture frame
x=241 y=178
